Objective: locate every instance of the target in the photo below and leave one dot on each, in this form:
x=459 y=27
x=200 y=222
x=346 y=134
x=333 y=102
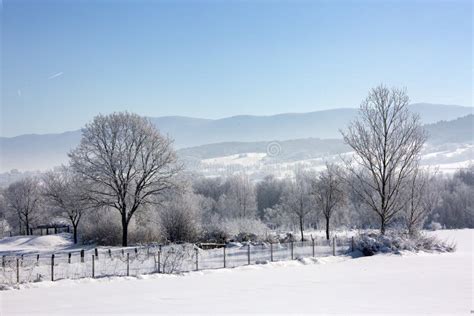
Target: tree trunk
x=382 y=225
x=124 y=231
x=75 y=233
x=327 y=227
x=19 y=224
x=27 y=224
x=301 y=228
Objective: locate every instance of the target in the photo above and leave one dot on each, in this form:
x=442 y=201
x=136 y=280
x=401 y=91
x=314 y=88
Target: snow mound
x=23 y=244
x=233 y=244
x=371 y=244
x=308 y=260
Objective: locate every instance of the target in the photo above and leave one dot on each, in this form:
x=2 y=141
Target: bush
x=102 y=228
x=238 y=229
x=245 y=229
x=434 y=226
x=370 y=244
x=244 y=237
x=215 y=234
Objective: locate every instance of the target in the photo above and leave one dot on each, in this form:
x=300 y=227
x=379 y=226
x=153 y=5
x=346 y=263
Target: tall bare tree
x=126 y=162
x=242 y=193
x=66 y=192
x=387 y=139
x=423 y=195
x=328 y=190
x=296 y=200
x=23 y=198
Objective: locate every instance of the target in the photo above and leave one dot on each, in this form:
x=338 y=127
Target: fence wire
x=176 y=258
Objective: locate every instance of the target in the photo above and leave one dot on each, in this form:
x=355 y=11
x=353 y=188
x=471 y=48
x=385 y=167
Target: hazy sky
x=65 y=61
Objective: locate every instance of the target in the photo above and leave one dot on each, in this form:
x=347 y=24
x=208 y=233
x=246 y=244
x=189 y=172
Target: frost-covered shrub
x=102 y=228
x=174 y=256
x=289 y=237
x=434 y=226
x=242 y=237
x=214 y=234
x=245 y=228
x=370 y=244
x=238 y=229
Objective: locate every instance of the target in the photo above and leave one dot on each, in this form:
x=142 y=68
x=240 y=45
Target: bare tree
x=66 y=192
x=268 y=194
x=328 y=190
x=423 y=195
x=387 y=139
x=240 y=198
x=23 y=199
x=179 y=217
x=296 y=200
x=126 y=162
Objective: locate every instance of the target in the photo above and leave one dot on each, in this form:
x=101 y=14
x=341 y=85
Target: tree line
x=124 y=182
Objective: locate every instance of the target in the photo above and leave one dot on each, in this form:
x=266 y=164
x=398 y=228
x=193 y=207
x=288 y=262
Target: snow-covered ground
x=36 y=244
x=383 y=284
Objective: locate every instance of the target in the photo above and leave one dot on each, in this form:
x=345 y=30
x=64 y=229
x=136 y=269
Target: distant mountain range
x=238 y=133
x=460 y=130
x=189 y=132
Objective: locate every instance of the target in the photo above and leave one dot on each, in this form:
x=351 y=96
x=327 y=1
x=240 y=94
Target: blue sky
x=65 y=61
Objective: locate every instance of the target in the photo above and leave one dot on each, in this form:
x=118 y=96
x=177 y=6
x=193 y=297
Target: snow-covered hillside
x=382 y=284
x=446 y=158
x=35 y=244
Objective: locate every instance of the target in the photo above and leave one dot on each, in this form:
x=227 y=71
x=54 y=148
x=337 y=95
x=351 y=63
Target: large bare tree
x=328 y=190
x=126 y=162
x=387 y=139
x=23 y=198
x=66 y=192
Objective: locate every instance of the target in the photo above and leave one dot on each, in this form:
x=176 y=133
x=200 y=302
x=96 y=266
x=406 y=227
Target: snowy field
x=383 y=284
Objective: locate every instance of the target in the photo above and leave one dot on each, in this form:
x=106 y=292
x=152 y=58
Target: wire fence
x=175 y=258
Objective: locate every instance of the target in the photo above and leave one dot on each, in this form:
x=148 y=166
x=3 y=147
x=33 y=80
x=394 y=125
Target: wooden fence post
x=197 y=259
x=312 y=244
x=128 y=264
x=82 y=255
x=96 y=251
x=110 y=253
x=224 y=257
x=159 y=260
x=352 y=243
x=69 y=258
x=93 y=266
x=334 y=246
x=52 y=267
x=271 y=251
x=17 y=270
x=3 y=261
x=248 y=253
x=291 y=243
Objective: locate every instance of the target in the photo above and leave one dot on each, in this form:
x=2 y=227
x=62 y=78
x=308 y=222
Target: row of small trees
x=123 y=164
